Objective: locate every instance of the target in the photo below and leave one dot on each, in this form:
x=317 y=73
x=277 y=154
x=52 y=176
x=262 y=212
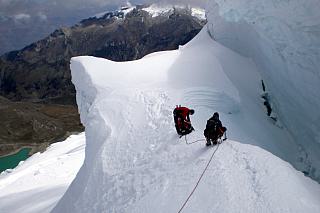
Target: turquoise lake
x=11 y=161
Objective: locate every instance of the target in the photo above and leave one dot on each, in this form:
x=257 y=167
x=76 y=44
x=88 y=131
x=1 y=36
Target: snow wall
x=283 y=38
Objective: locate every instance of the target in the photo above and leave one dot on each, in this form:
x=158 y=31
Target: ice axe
x=225 y=136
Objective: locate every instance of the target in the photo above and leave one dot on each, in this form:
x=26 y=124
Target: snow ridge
x=134 y=159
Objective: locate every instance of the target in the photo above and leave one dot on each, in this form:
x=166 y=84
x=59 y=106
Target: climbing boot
x=208 y=142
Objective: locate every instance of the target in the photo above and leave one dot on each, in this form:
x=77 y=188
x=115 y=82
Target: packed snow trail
x=135 y=162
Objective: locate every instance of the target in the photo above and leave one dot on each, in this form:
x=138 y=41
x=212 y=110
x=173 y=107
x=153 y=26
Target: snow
x=199 y=13
x=134 y=160
x=157 y=9
x=282 y=38
x=37 y=184
x=127 y=10
x=122 y=11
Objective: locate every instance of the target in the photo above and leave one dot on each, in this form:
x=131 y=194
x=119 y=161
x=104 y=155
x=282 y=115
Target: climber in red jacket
x=182 y=120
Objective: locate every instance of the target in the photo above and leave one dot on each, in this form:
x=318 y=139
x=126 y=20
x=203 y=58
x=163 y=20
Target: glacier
x=134 y=160
x=282 y=37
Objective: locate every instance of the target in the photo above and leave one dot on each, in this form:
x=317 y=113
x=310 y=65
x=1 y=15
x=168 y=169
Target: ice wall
x=96 y=133
x=283 y=38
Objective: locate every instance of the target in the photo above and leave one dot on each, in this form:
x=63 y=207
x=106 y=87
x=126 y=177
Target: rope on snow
x=188 y=143
x=200 y=177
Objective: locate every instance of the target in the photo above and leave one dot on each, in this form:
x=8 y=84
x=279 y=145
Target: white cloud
x=42 y=16
x=21 y=16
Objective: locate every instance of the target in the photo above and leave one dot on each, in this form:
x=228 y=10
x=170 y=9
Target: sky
x=35 y=19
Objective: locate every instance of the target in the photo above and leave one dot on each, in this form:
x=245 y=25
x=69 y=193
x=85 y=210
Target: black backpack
x=211 y=127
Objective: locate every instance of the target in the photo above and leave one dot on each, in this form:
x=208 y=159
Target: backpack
x=177 y=117
x=211 y=127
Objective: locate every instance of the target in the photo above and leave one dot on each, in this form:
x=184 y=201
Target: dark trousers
x=212 y=137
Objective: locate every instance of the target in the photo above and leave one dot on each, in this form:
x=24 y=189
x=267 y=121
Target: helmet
x=191 y=111
x=216 y=115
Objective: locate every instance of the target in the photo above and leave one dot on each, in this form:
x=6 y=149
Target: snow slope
x=283 y=39
x=136 y=163
x=37 y=184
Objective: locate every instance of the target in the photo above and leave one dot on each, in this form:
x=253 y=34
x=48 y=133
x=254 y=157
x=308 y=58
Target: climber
x=214 y=130
x=182 y=120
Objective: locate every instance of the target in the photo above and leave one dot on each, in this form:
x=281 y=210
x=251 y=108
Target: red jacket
x=183 y=113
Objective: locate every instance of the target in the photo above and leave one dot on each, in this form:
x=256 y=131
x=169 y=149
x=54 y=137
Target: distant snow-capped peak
x=157 y=10
x=154 y=10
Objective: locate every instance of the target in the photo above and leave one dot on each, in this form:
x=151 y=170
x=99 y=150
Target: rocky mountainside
x=40 y=72
x=38 y=104
x=25 y=124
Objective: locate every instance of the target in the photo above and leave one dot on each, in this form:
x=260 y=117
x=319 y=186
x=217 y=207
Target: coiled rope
x=188 y=143
x=200 y=177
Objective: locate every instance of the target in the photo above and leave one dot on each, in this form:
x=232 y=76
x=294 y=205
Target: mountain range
x=39 y=75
